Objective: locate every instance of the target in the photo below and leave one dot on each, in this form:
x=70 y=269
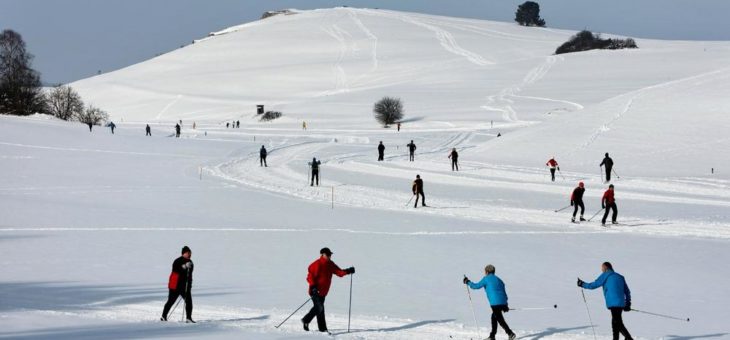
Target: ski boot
x=305 y=326
x=163 y=318
x=614 y=222
x=582 y=219
x=189 y=320
x=572 y=219
x=512 y=336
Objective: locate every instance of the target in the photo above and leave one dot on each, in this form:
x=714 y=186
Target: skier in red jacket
x=181 y=281
x=553 y=164
x=320 y=279
x=608 y=202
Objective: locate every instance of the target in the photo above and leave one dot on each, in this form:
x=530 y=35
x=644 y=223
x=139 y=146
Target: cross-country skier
x=112 y=126
x=177 y=130
x=319 y=278
x=411 y=150
x=228 y=124
x=418 y=190
x=398 y=126
x=608 y=163
x=304 y=125
x=608 y=202
x=617 y=295
x=91 y=125
x=553 y=164
x=497 y=296
x=454 y=159
x=262 y=157
x=180 y=284
x=314 y=164
x=381 y=151
x=238 y=124
x=148 y=130
x=576 y=200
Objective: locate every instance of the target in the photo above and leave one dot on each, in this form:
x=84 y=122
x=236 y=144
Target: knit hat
x=185 y=249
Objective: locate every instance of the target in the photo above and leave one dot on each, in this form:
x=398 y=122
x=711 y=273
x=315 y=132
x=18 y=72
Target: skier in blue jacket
x=497 y=296
x=617 y=295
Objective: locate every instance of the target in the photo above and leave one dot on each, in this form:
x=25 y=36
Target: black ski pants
x=615 y=213
x=498 y=318
x=262 y=161
x=617 y=324
x=148 y=133
x=454 y=164
x=381 y=156
x=411 y=157
x=577 y=204
x=423 y=199
x=315 y=175
x=318 y=311
x=552 y=174
x=608 y=173
x=172 y=297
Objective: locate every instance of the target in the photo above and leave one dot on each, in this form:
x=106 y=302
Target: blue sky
x=73 y=39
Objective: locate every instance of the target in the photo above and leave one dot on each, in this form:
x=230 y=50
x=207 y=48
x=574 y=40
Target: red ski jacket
x=552 y=163
x=320 y=275
x=608 y=197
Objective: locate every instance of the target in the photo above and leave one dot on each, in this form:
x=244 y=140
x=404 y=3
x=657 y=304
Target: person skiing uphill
x=608 y=163
x=497 y=296
x=177 y=130
x=617 y=295
x=319 y=278
x=576 y=200
x=553 y=164
x=262 y=157
x=411 y=150
x=314 y=164
x=608 y=202
x=180 y=284
x=454 y=159
x=418 y=190
x=148 y=130
x=112 y=126
x=381 y=151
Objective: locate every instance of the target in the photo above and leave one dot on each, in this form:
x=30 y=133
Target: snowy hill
x=92 y=220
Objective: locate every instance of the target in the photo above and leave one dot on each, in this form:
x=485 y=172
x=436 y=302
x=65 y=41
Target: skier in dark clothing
x=398 y=126
x=319 y=278
x=314 y=164
x=418 y=190
x=180 y=284
x=553 y=164
x=112 y=126
x=91 y=125
x=617 y=295
x=608 y=202
x=177 y=130
x=262 y=157
x=412 y=150
x=454 y=159
x=148 y=130
x=576 y=200
x=381 y=151
x=497 y=296
x=238 y=124
x=608 y=162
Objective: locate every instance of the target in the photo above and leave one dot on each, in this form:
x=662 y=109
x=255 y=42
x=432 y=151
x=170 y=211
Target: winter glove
x=558 y=168
x=466 y=280
x=603 y=205
x=188 y=265
x=505 y=308
x=313 y=291
x=571 y=203
x=580 y=283
x=627 y=308
x=350 y=270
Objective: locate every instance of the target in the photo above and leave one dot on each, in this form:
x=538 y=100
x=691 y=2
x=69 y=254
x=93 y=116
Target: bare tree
x=92 y=116
x=20 y=85
x=388 y=110
x=64 y=103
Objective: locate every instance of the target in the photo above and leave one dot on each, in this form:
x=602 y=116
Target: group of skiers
x=235 y=124
x=608 y=200
x=319 y=280
x=453 y=155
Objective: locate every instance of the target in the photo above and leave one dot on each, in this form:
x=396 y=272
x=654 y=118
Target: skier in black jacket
x=608 y=162
x=180 y=284
x=381 y=151
x=314 y=164
x=418 y=190
x=576 y=200
x=177 y=130
x=411 y=150
x=454 y=159
x=262 y=157
x=148 y=130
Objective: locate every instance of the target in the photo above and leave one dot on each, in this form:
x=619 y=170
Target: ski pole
x=616 y=173
x=596 y=214
x=476 y=324
x=535 y=308
x=349 y=309
x=409 y=201
x=602 y=181
x=563 y=208
x=561 y=174
x=660 y=315
x=590 y=319
x=175 y=307
x=292 y=314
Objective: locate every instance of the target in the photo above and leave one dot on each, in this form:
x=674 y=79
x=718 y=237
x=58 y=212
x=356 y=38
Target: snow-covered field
x=91 y=221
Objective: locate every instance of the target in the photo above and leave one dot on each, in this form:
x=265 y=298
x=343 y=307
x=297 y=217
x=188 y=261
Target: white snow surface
x=92 y=221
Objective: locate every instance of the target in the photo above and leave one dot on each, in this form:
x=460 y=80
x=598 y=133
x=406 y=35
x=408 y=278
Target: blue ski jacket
x=494 y=287
x=615 y=290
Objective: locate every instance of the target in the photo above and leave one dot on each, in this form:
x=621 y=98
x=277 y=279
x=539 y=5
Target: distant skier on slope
x=411 y=150
x=319 y=278
x=148 y=130
x=398 y=126
x=576 y=200
x=553 y=164
x=454 y=159
x=381 y=151
x=91 y=125
x=608 y=163
x=262 y=157
x=314 y=164
x=608 y=202
x=180 y=284
x=418 y=190
x=497 y=296
x=617 y=295
x=112 y=126
x=177 y=130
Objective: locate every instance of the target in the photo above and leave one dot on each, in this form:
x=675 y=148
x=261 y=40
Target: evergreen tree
x=528 y=14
